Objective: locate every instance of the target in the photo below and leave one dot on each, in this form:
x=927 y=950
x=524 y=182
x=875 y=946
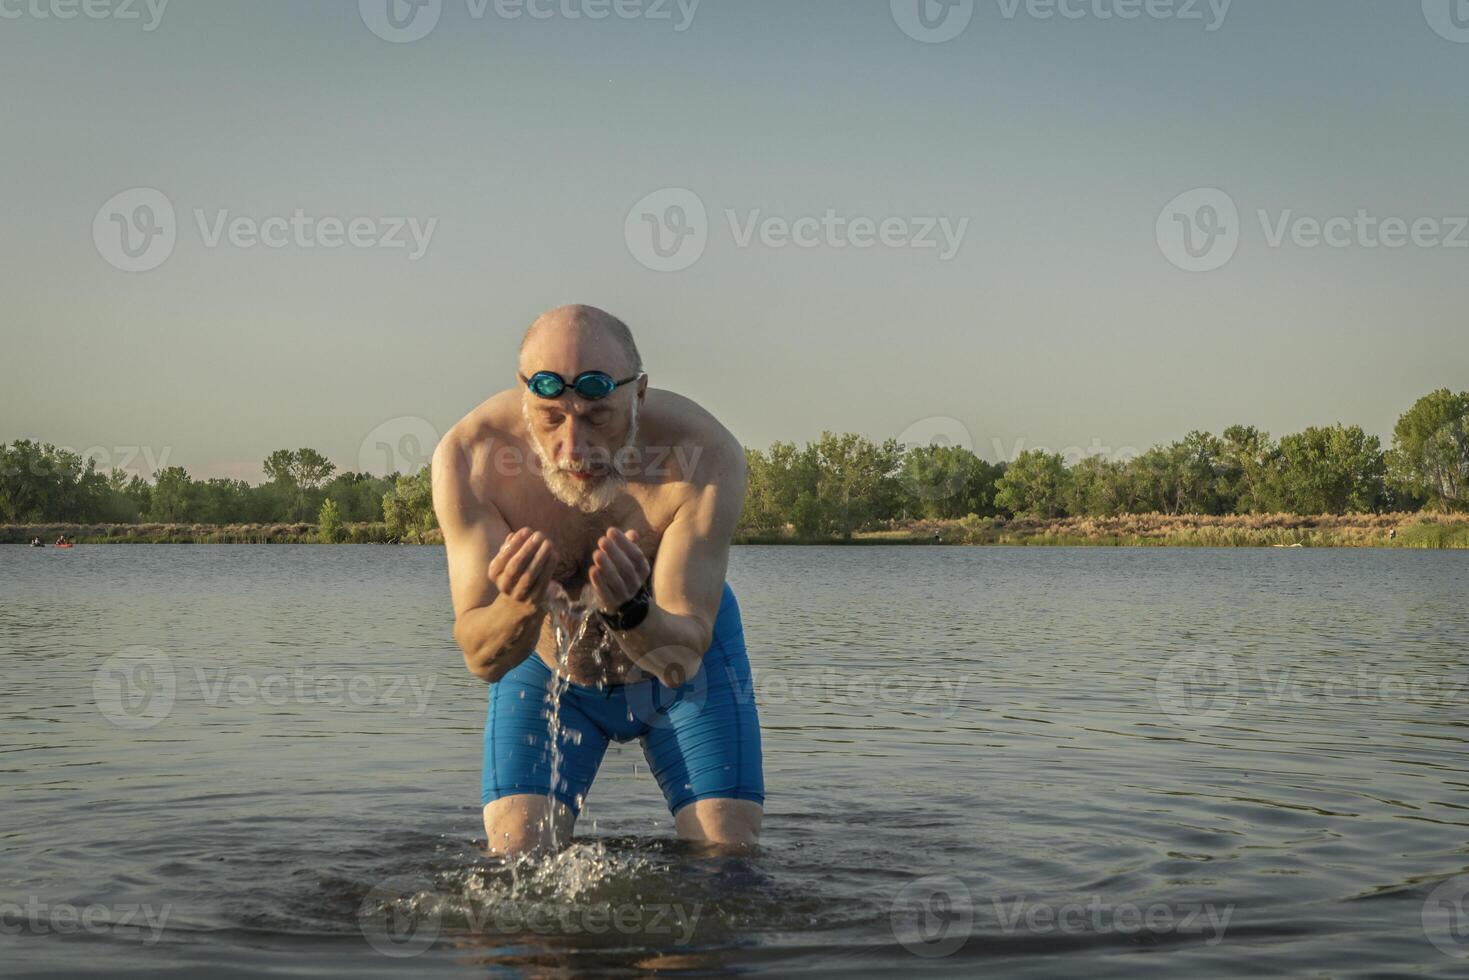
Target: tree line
x=40 y=483
x=836 y=485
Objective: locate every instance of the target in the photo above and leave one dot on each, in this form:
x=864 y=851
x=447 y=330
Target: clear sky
x=1059 y=313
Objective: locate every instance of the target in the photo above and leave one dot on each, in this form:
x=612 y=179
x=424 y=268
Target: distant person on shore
x=582 y=483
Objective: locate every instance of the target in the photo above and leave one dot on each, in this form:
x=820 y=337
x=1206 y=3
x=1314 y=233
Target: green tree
x=39 y=482
x=358 y=496
x=1098 y=487
x=1431 y=449
x=855 y=479
x=408 y=507
x=1249 y=459
x=222 y=501
x=1034 y=485
x=1334 y=470
x=329 y=522
x=1198 y=464
x=297 y=477
x=946 y=482
x=174 y=498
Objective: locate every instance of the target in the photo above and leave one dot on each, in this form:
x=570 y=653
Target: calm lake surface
x=1012 y=762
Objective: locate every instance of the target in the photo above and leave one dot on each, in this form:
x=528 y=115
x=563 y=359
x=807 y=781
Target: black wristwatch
x=630 y=614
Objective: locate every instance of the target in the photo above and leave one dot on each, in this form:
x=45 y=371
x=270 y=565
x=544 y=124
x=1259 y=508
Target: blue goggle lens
x=593 y=386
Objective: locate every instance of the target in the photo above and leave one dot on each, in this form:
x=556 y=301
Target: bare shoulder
x=463 y=479
x=704 y=451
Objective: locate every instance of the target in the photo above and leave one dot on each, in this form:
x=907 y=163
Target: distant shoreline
x=1408 y=530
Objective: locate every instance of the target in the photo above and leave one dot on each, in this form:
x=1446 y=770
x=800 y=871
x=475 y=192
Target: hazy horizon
x=660 y=167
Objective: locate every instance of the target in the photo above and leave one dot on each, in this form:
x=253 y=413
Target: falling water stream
x=570 y=621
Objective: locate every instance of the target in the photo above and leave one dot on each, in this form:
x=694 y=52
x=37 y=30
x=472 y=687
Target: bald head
x=572 y=339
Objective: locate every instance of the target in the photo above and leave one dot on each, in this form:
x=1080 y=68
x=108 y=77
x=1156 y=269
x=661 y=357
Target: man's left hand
x=619 y=569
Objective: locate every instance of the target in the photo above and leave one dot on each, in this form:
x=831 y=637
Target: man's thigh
x=720 y=821
x=526 y=822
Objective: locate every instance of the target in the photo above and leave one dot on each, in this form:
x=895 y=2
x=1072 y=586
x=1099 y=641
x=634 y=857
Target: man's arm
x=497 y=580
x=688 y=577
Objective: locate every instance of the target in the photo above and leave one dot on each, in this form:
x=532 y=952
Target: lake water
x=1030 y=762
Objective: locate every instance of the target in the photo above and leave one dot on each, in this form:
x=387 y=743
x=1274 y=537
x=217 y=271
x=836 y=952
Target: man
x=582 y=485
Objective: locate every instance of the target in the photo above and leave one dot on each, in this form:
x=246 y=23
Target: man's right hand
x=521 y=570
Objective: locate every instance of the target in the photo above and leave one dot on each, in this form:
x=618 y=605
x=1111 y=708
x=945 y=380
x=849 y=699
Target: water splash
x=570 y=620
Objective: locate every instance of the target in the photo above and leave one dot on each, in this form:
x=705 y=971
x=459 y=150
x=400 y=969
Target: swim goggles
x=593 y=385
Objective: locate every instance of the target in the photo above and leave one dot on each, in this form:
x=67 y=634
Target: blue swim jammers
x=702 y=740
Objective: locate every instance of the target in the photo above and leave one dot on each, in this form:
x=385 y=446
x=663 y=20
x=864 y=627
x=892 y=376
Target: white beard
x=587 y=498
